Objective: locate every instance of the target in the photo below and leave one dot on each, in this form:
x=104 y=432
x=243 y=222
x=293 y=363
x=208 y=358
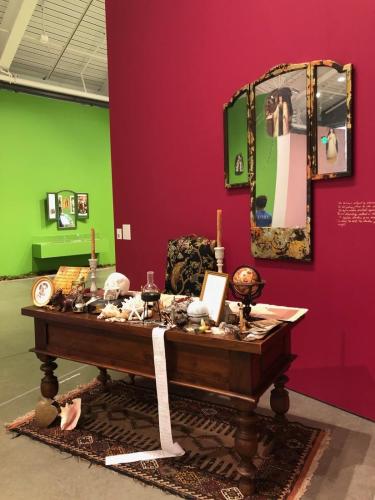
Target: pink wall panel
x=172 y=65
x=297 y=190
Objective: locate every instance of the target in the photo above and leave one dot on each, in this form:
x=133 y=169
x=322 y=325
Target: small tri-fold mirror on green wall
x=66 y=206
x=298 y=128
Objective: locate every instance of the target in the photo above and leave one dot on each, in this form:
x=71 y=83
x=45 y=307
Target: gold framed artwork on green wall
x=82 y=205
x=66 y=207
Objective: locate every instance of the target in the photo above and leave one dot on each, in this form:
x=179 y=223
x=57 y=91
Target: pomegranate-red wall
x=172 y=66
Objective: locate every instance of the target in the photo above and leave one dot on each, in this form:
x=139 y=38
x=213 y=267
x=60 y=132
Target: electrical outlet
x=126 y=232
x=119 y=233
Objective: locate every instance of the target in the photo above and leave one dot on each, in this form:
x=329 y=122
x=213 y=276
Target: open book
x=283 y=313
x=260 y=328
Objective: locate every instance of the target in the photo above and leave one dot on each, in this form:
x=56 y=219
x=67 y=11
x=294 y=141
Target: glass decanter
x=150 y=292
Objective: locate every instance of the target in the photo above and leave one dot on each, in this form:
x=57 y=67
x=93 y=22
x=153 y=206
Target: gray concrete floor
x=35 y=471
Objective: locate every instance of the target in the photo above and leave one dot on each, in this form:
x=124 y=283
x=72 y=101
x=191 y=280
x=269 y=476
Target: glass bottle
x=150 y=292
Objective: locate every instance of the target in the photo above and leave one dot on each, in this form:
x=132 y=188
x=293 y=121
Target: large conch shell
x=70 y=414
x=109 y=311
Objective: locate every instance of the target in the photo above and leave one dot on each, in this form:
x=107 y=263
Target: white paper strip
x=168 y=447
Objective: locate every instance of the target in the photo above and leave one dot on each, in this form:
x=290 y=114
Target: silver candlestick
x=93 y=265
x=219 y=255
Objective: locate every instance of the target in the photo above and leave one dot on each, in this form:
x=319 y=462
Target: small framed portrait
x=213 y=293
x=42 y=291
x=82 y=205
x=51 y=206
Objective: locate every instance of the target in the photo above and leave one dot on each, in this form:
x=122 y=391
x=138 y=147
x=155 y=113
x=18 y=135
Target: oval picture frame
x=42 y=291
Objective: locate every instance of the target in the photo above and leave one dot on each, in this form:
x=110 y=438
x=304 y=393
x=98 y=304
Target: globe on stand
x=246 y=285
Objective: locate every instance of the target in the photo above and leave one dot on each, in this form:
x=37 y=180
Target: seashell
x=109 y=311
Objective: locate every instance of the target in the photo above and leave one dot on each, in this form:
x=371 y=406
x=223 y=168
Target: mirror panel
x=332 y=116
x=51 y=206
x=66 y=209
x=236 y=160
x=280 y=116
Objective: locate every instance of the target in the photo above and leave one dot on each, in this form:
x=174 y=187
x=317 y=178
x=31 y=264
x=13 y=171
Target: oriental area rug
x=124 y=419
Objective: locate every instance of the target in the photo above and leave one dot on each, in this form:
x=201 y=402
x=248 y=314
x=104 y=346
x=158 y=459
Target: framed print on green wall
x=82 y=205
x=51 y=206
x=236 y=157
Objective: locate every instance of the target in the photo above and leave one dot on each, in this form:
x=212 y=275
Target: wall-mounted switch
x=126 y=232
x=119 y=233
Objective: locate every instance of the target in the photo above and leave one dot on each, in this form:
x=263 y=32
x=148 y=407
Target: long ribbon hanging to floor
x=168 y=447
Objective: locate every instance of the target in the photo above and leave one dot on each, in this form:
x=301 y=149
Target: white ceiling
x=74 y=56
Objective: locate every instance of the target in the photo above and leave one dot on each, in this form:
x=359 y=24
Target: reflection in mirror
x=66 y=209
x=281 y=151
x=332 y=121
x=279 y=128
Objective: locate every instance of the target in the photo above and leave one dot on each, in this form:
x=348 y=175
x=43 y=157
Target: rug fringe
x=20 y=420
x=305 y=483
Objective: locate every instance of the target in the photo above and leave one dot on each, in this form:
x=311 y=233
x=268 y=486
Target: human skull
x=116 y=284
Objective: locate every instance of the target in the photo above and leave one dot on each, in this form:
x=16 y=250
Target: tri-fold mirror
x=65 y=207
x=298 y=128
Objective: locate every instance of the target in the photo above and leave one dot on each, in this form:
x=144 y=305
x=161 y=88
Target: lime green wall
x=266 y=156
x=49 y=145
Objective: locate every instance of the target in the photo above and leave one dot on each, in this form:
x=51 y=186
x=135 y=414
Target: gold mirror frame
x=343 y=70
x=235 y=140
x=295 y=242
x=280 y=242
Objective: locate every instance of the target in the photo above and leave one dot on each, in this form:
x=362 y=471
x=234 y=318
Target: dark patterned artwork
x=189 y=257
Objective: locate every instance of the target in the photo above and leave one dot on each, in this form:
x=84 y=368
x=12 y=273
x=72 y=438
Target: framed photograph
x=42 y=291
x=51 y=206
x=236 y=158
x=214 y=292
x=82 y=205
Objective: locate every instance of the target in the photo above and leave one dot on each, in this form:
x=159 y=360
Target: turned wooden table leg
x=280 y=405
x=245 y=443
x=280 y=399
x=103 y=377
x=49 y=384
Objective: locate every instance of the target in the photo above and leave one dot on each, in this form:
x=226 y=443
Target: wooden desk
x=222 y=365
